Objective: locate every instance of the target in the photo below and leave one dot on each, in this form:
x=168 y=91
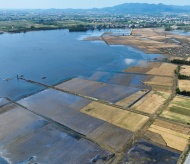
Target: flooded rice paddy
x=29 y=138
x=65 y=120
x=149 y=153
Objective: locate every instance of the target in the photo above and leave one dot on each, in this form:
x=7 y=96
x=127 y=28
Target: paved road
x=187 y=160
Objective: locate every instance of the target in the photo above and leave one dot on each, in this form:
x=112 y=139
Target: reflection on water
x=181 y=32
x=53 y=56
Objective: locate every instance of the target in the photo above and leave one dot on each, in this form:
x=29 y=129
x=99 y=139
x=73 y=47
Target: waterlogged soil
x=28 y=138
x=103 y=91
x=149 y=153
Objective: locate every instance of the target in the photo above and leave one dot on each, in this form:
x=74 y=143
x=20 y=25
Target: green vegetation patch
x=185 y=103
x=180 y=110
x=162 y=94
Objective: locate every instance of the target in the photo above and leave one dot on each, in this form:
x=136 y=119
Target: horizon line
x=86 y=8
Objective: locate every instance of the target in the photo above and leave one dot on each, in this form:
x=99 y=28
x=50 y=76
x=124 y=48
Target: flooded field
x=130 y=80
x=16 y=89
x=3 y=101
x=28 y=138
x=87 y=102
x=107 y=92
x=63 y=108
x=149 y=153
x=53 y=59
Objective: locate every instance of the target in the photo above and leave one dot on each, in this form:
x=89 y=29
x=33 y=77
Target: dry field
x=148 y=45
x=159 y=83
x=151 y=102
x=121 y=118
x=184 y=85
x=176 y=58
x=165 y=69
x=188 y=59
x=157 y=80
x=131 y=99
x=175 y=136
x=92 y=38
x=154 y=68
x=142 y=70
x=185 y=70
x=178 y=109
x=147 y=39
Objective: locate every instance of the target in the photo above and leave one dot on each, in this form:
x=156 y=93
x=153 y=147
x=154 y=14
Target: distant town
x=31 y=20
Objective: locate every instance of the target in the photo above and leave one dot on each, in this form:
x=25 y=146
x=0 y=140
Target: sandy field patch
x=188 y=59
x=115 y=116
x=131 y=99
x=176 y=58
x=163 y=84
x=147 y=39
x=157 y=80
x=185 y=70
x=151 y=102
x=176 y=127
x=172 y=138
x=143 y=70
x=154 y=68
x=165 y=69
x=184 y=85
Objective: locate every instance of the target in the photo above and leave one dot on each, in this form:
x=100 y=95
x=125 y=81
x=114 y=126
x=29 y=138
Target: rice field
x=154 y=68
x=126 y=79
x=159 y=83
x=146 y=153
x=115 y=116
x=62 y=108
x=103 y=91
x=3 y=101
x=128 y=101
x=172 y=137
x=165 y=69
x=178 y=109
x=151 y=102
x=184 y=85
x=28 y=138
x=185 y=70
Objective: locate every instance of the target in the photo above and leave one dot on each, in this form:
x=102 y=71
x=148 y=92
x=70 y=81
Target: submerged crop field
x=146 y=153
x=20 y=141
x=117 y=110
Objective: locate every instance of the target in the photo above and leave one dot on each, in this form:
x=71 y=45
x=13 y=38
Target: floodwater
x=51 y=57
x=180 y=32
x=149 y=153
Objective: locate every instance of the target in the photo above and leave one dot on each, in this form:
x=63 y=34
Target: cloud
x=129 y=61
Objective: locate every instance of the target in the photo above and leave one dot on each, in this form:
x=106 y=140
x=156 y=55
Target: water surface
x=54 y=56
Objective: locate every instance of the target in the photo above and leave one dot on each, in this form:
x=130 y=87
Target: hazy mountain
x=141 y=8
x=137 y=8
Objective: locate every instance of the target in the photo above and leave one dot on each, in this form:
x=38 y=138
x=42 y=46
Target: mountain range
x=135 y=8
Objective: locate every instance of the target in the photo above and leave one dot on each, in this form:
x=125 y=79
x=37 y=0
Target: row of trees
x=185 y=93
x=177 y=61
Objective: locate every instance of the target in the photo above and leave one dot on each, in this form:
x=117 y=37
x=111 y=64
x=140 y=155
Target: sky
x=82 y=4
